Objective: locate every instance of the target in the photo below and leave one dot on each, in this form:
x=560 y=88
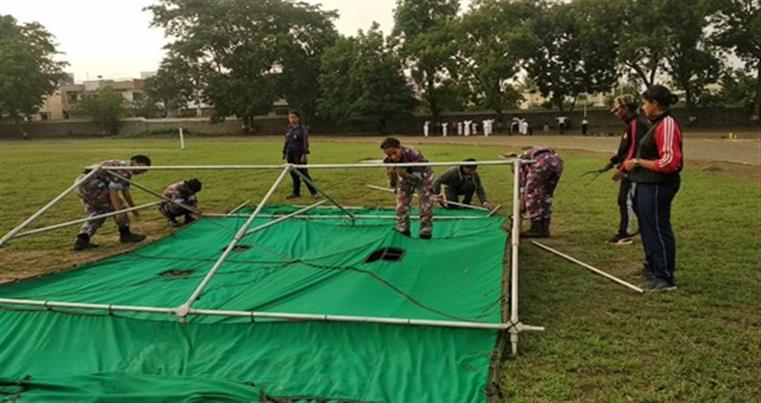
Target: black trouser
x=626 y=206
x=654 y=213
x=294 y=157
x=453 y=193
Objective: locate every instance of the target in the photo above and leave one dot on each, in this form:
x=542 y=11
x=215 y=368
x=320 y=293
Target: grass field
x=603 y=342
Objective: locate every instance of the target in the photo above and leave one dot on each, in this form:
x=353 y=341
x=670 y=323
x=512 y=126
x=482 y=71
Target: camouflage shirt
x=111 y=181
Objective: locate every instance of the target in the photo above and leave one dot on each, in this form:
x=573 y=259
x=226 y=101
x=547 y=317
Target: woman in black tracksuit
x=655 y=170
x=295 y=150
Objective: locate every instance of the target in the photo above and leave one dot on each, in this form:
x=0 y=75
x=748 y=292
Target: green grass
x=603 y=342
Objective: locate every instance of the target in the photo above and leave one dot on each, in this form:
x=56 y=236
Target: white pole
x=268 y=315
x=182 y=140
x=159 y=195
x=360 y=216
x=285 y=217
x=81 y=220
x=183 y=309
x=506 y=161
x=514 y=243
x=445 y=201
x=39 y=212
x=592 y=268
x=240 y=206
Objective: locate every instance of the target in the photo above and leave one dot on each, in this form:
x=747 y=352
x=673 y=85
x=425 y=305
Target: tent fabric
x=313 y=266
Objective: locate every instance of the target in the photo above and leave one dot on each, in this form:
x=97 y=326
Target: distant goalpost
x=509 y=323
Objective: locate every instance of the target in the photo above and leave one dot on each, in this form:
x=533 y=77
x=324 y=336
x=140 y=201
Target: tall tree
x=173 y=86
x=738 y=24
x=427 y=45
x=104 y=106
x=576 y=54
x=247 y=54
x=494 y=40
x=362 y=82
x=28 y=70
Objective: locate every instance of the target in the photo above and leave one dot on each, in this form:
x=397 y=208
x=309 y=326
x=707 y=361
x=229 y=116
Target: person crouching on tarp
x=100 y=195
x=460 y=181
x=406 y=180
x=182 y=193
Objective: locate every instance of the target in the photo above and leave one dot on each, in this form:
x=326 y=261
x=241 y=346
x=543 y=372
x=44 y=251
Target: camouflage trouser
x=405 y=189
x=541 y=180
x=172 y=211
x=94 y=196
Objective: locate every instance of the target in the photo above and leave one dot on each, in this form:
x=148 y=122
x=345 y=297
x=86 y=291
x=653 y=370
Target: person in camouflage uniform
x=100 y=194
x=181 y=192
x=406 y=181
x=538 y=182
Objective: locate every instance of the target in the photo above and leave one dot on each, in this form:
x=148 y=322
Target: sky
x=113 y=38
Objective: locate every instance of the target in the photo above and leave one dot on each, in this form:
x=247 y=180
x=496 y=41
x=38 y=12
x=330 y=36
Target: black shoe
x=189 y=219
x=425 y=236
x=172 y=223
x=643 y=273
x=406 y=233
x=293 y=196
x=660 y=285
x=83 y=242
x=621 y=239
x=536 y=231
x=315 y=196
x=546 y=227
x=131 y=238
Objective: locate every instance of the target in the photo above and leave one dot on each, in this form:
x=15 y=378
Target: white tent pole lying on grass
x=468 y=206
x=589 y=267
x=182 y=310
x=356 y=216
x=39 y=212
x=81 y=220
x=316 y=166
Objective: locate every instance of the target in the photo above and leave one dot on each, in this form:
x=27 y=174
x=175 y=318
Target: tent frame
x=513 y=326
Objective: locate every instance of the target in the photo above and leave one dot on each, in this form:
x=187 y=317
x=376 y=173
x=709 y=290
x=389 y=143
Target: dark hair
x=390 y=142
x=294 y=113
x=141 y=159
x=194 y=185
x=627 y=101
x=469 y=166
x=661 y=95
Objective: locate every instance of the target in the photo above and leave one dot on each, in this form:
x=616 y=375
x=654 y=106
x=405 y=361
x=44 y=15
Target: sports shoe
x=315 y=196
x=660 y=285
x=406 y=233
x=643 y=273
x=621 y=239
x=425 y=236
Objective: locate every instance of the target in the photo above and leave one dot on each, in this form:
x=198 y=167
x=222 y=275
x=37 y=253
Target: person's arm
x=285 y=143
x=113 y=198
x=305 y=151
x=437 y=184
x=128 y=198
x=668 y=138
x=480 y=192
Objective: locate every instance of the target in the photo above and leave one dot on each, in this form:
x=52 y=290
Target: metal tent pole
x=39 y=212
x=285 y=217
x=514 y=243
x=240 y=206
x=183 y=309
x=589 y=267
x=356 y=216
x=320 y=191
x=81 y=220
x=468 y=206
x=313 y=166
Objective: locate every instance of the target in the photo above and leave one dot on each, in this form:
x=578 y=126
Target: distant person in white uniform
x=426 y=128
x=467 y=127
x=444 y=129
x=459 y=128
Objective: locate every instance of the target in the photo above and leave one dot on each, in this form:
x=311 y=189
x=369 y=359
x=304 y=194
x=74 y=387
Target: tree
x=576 y=54
x=173 y=86
x=104 y=106
x=27 y=69
x=738 y=24
x=738 y=88
x=494 y=40
x=362 y=82
x=427 y=44
x=247 y=54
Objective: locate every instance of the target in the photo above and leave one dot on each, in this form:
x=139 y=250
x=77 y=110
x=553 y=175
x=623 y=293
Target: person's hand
x=608 y=166
x=629 y=164
x=303 y=158
x=439 y=199
x=618 y=175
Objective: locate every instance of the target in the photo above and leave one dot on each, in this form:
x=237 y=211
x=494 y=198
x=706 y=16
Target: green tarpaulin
x=297 y=266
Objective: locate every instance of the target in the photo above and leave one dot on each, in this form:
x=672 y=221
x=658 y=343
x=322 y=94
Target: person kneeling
x=460 y=181
x=181 y=193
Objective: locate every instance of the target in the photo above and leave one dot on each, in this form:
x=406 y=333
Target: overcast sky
x=112 y=38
